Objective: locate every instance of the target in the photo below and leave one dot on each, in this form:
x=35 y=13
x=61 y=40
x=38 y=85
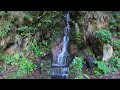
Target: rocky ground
x=43 y=74
x=108 y=76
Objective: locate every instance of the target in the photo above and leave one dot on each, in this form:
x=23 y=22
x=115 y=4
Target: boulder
x=11 y=50
x=107 y=52
x=90 y=61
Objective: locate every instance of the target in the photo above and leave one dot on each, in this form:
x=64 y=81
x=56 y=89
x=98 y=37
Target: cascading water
x=60 y=68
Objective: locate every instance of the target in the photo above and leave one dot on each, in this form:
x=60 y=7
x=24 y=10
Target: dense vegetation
x=28 y=37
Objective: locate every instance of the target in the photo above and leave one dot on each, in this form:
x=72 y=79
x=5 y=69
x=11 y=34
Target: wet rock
x=57 y=45
x=73 y=49
x=56 y=50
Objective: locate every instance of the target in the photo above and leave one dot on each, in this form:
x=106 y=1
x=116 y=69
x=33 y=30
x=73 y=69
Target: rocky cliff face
x=82 y=38
x=87 y=23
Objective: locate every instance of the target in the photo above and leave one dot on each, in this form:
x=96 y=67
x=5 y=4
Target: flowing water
x=60 y=68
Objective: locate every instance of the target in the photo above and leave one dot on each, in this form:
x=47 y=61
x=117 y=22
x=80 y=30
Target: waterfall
x=60 y=68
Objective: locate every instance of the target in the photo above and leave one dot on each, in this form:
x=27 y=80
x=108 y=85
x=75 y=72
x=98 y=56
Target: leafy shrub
x=50 y=19
x=117 y=53
x=116 y=15
x=12 y=60
x=5 y=28
x=116 y=44
x=76 y=67
x=2 y=13
x=102 y=68
x=78 y=63
x=112 y=24
x=24 y=66
x=115 y=63
x=79 y=40
x=22 y=28
x=35 y=48
x=103 y=35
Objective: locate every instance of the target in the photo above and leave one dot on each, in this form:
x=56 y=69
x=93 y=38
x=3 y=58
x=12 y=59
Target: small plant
x=102 y=68
x=35 y=48
x=79 y=40
x=112 y=24
x=116 y=15
x=5 y=28
x=45 y=45
x=2 y=13
x=116 y=44
x=45 y=69
x=97 y=71
x=78 y=63
x=76 y=68
x=103 y=35
x=117 y=53
x=12 y=60
x=23 y=65
x=25 y=28
x=115 y=63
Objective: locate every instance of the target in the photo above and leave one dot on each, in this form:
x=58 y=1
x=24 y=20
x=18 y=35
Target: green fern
x=102 y=68
x=103 y=35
